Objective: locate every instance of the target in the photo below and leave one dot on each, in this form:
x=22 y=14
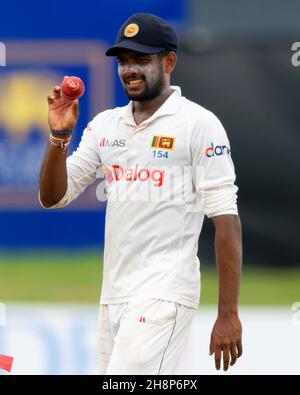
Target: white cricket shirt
x=162 y=177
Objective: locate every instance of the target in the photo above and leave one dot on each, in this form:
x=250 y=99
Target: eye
x=143 y=59
x=121 y=61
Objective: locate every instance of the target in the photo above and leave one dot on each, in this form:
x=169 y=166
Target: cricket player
x=167 y=163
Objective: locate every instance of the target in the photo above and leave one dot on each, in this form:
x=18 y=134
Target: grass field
x=58 y=277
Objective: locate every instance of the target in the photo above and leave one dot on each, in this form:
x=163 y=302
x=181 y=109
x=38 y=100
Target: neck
x=144 y=110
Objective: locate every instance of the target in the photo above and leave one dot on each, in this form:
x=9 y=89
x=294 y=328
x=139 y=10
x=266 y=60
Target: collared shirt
x=161 y=178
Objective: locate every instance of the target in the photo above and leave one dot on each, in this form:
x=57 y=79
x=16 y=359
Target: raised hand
x=63 y=113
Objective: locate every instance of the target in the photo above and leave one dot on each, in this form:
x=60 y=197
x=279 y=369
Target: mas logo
x=217 y=150
x=112 y=143
x=163 y=142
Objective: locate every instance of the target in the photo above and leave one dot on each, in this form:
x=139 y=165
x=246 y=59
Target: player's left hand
x=226 y=339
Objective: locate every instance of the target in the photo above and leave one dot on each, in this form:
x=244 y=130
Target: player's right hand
x=63 y=113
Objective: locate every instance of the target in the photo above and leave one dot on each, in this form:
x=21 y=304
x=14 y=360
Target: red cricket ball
x=72 y=87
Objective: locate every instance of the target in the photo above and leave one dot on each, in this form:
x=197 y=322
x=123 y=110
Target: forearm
x=53 y=176
x=228 y=247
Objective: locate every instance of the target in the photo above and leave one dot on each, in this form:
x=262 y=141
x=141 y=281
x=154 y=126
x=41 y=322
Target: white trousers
x=144 y=336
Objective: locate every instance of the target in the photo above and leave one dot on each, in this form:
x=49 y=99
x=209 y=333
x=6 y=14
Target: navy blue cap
x=145 y=33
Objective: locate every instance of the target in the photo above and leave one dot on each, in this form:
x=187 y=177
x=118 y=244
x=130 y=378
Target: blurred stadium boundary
x=62 y=339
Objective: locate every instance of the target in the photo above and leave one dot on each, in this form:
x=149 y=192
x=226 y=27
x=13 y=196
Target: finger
x=233 y=354
x=50 y=98
x=57 y=91
x=240 y=348
x=75 y=103
x=226 y=358
x=75 y=108
x=218 y=358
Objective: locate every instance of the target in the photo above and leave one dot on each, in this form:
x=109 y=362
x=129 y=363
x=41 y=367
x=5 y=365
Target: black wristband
x=61 y=132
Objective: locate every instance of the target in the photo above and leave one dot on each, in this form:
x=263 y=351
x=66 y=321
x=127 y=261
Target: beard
x=152 y=90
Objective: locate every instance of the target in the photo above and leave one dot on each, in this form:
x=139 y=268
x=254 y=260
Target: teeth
x=135 y=82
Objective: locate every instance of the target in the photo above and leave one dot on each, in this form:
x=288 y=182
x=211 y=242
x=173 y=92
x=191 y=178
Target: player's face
x=141 y=75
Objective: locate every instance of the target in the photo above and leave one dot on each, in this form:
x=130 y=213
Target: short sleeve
x=82 y=167
x=213 y=169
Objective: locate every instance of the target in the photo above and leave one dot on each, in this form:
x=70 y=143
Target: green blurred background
x=76 y=277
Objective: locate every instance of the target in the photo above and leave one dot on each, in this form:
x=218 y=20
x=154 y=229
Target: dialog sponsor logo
x=137 y=173
x=217 y=150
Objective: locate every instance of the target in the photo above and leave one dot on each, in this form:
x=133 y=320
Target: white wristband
x=62 y=143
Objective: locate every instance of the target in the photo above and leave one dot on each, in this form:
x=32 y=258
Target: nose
x=130 y=68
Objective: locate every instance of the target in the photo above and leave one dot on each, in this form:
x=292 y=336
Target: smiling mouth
x=134 y=82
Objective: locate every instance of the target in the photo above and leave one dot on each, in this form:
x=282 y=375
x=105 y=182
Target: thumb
x=75 y=103
x=75 y=109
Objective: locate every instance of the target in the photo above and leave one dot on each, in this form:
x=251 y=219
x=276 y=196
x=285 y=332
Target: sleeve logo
x=217 y=150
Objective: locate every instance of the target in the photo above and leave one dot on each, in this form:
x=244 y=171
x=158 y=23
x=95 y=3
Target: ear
x=170 y=61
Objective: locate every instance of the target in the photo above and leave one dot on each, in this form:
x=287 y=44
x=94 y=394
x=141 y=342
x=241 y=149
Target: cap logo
x=131 y=30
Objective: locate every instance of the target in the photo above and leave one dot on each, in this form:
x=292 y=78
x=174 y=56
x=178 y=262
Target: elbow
x=45 y=202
